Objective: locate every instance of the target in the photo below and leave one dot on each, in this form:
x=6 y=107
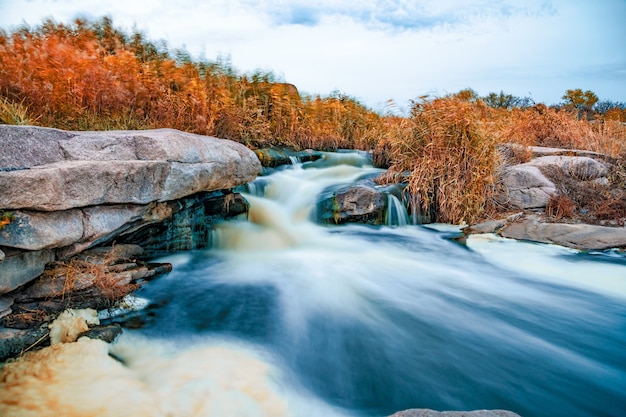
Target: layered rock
x=58 y=170
x=68 y=191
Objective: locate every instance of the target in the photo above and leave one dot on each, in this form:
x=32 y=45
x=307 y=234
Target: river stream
x=282 y=316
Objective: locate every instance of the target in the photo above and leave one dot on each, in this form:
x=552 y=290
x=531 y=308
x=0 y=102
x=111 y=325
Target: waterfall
x=396 y=212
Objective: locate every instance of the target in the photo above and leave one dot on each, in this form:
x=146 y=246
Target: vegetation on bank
x=93 y=76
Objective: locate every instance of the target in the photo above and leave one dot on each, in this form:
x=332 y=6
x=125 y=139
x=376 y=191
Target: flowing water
x=282 y=316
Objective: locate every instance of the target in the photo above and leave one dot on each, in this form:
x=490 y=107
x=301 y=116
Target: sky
x=382 y=50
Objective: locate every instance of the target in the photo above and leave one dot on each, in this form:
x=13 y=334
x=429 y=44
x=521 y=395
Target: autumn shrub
x=450 y=160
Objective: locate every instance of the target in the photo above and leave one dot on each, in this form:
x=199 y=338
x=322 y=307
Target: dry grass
x=78 y=276
x=451 y=161
x=91 y=76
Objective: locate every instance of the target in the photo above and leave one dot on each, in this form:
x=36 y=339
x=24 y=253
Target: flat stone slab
x=46 y=169
x=577 y=236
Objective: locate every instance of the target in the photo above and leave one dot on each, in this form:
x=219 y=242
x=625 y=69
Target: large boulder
x=526 y=187
x=48 y=169
x=69 y=191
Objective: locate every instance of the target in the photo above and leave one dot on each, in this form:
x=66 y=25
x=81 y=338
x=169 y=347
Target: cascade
x=285 y=317
x=396 y=212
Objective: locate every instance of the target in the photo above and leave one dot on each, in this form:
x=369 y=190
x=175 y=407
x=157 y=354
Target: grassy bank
x=93 y=76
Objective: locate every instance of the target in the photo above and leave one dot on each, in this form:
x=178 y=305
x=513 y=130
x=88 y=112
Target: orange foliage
x=89 y=76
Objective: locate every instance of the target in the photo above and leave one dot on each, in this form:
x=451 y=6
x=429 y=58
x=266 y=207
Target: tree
x=507 y=101
x=579 y=99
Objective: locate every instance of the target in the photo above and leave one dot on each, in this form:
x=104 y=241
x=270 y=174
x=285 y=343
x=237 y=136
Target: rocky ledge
x=63 y=193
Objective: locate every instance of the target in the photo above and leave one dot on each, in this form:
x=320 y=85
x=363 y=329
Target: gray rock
x=31 y=230
x=577 y=236
x=116 y=167
x=5 y=305
x=539 y=151
x=22 y=267
x=107 y=333
x=526 y=187
x=423 y=412
x=361 y=202
x=27 y=146
x=578 y=167
x=15 y=341
x=489 y=226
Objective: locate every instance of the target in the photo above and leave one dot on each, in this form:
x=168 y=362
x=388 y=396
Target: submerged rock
x=423 y=412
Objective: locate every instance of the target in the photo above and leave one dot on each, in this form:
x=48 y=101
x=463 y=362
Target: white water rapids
x=284 y=317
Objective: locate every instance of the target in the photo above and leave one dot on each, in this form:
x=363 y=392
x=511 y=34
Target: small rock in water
x=423 y=412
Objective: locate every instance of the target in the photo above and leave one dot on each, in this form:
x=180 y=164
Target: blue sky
x=377 y=50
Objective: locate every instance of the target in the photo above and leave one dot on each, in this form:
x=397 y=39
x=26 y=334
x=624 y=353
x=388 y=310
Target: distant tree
x=507 y=101
x=583 y=101
x=604 y=106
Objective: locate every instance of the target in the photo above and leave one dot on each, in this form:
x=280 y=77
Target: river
x=282 y=316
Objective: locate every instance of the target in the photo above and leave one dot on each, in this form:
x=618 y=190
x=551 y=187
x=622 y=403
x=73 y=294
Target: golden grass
x=451 y=161
x=90 y=76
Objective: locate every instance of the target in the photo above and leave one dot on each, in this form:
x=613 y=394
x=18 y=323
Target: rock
x=1 y=256
x=358 y=203
x=5 y=305
x=33 y=230
x=423 y=412
x=490 y=226
x=20 y=268
x=577 y=236
x=539 y=151
x=109 y=255
x=28 y=146
x=107 y=333
x=526 y=187
x=188 y=227
x=579 y=167
x=272 y=157
x=15 y=341
x=115 y=167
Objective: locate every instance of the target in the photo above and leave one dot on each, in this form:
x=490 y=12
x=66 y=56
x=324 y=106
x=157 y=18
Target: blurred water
x=367 y=321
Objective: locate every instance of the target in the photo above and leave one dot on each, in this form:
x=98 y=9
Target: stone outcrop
x=272 y=157
x=534 y=228
x=68 y=191
x=423 y=412
x=525 y=186
x=577 y=236
x=58 y=170
x=363 y=202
